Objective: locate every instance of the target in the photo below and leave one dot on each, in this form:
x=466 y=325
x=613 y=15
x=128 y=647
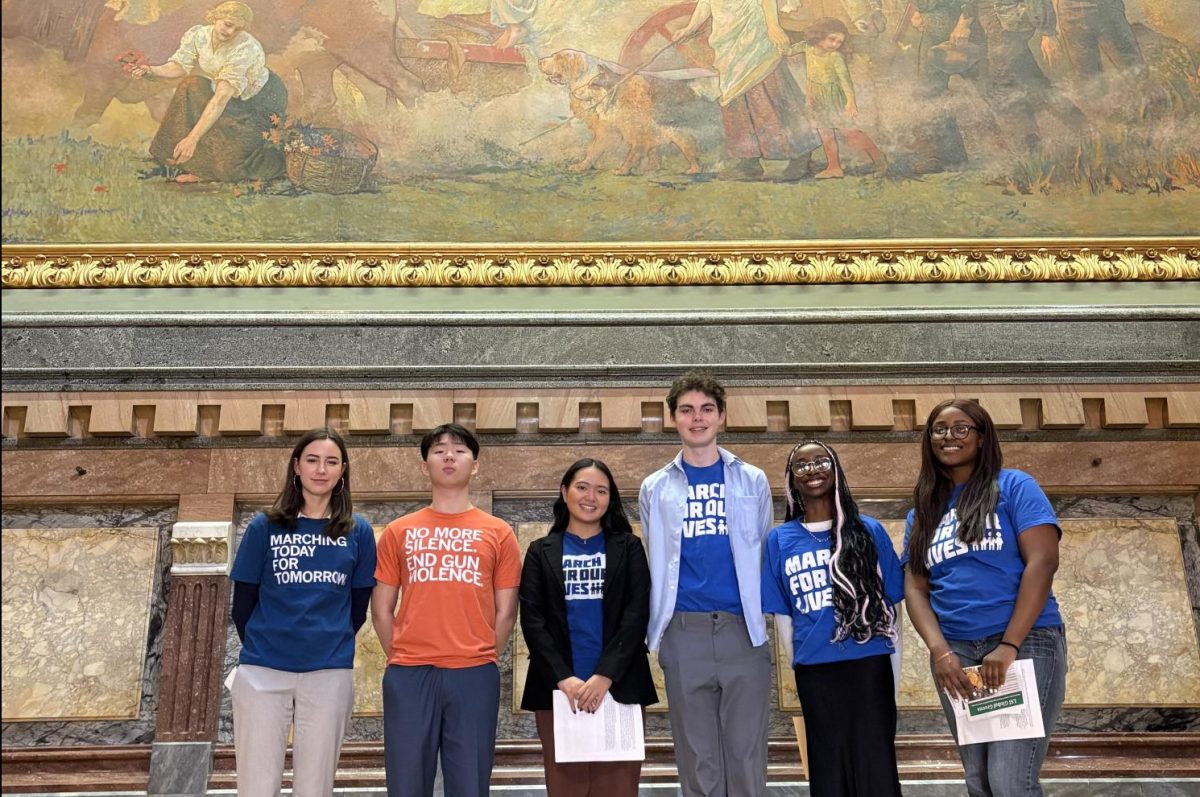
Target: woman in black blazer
x=585 y=604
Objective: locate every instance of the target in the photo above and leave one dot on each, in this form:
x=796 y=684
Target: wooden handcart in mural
x=406 y=54
x=444 y=62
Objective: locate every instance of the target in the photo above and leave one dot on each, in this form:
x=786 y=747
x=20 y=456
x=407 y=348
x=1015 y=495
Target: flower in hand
x=133 y=62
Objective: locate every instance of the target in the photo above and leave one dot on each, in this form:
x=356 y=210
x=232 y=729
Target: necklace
x=819 y=527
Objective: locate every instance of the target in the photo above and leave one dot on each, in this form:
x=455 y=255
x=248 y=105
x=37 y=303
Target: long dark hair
x=861 y=609
x=291 y=499
x=613 y=521
x=979 y=495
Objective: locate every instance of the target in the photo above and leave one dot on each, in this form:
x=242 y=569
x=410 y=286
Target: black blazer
x=626 y=615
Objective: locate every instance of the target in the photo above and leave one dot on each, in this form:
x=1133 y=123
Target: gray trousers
x=718 y=691
x=266 y=705
x=435 y=712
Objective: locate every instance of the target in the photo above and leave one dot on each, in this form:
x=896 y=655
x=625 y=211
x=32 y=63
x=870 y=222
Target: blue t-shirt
x=302 y=620
x=796 y=581
x=973 y=589
x=707 y=578
x=583 y=565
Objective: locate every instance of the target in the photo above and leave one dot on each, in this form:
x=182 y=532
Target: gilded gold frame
x=600 y=264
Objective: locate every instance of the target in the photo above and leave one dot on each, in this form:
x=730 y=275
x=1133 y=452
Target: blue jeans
x=1012 y=768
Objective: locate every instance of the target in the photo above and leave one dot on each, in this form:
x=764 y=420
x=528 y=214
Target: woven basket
x=332 y=174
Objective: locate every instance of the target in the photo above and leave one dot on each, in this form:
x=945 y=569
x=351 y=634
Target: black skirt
x=850 y=721
x=234 y=150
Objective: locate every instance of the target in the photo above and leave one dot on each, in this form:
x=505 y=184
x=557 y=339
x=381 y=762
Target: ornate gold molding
x=729 y=263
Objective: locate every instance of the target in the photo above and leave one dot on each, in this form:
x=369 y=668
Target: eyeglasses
x=819 y=465
x=958 y=431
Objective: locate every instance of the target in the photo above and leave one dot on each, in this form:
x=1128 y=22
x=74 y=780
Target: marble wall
x=1130 y=583
x=1131 y=637
x=77 y=603
x=1142 y=545
x=80 y=709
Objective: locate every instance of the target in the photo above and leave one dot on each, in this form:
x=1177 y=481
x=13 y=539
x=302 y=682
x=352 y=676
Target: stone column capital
x=201 y=547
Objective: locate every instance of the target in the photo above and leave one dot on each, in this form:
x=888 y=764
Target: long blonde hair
x=232 y=11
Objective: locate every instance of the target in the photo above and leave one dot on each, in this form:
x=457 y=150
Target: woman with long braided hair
x=832 y=580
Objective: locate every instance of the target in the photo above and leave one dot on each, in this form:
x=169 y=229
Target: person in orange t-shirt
x=454 y=570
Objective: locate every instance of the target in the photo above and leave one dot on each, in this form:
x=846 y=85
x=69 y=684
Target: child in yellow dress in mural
x=830 y=96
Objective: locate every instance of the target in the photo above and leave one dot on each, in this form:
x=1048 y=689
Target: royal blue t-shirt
x=302 y=620
x=796 y=581
x=707 y=578
x=973 y=589
x=583 y=564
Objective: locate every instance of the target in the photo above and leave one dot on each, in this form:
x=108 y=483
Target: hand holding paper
x=613 y=732
x=1013 y=711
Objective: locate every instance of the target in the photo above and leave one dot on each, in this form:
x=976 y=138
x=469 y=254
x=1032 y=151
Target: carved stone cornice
x=534 y=412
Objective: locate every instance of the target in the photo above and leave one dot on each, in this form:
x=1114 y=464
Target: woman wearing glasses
x=980 y=550
x=832 y=580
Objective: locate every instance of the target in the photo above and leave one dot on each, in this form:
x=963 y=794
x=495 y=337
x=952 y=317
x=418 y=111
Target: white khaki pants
x=266 y=703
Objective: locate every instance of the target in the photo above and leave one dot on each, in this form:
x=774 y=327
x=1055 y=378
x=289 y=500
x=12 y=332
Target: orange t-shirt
x=448 y=568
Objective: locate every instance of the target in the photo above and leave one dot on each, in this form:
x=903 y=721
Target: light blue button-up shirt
x=662 y=503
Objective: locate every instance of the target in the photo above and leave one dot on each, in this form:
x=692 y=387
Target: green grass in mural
x=58 y=190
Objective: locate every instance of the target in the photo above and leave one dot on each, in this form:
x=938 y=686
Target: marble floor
x=1109 y=787
x=1061 y=788
x=1100 y=787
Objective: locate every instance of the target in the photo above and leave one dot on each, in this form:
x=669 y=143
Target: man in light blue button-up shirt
x=704 y=516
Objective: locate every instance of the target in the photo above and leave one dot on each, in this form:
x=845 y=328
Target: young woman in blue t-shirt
x=981 y=549
x=832 y=580
x=585 y=605
x=302 y=582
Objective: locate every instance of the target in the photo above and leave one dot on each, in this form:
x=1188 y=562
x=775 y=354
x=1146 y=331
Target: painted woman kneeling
x=215 y=125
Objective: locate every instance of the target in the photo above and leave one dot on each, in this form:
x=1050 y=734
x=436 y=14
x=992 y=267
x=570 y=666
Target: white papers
x=229 y=678
x=613 y=733
x=1011 y=712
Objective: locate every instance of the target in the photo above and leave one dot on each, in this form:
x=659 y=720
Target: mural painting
x=598 y=122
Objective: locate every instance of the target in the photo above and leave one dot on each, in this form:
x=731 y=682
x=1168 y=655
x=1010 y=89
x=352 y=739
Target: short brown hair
x=699 y=381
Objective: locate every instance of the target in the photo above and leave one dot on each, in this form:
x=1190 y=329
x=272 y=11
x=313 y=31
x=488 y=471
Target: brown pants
x=597 y=779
